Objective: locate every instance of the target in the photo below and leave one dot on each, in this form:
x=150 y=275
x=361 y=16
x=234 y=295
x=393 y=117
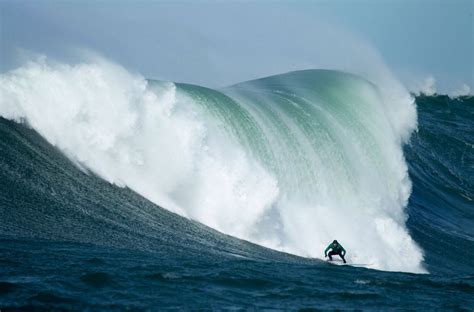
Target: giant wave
x=289 y=162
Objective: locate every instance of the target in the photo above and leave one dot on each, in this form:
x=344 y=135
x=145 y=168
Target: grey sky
x=219 y=43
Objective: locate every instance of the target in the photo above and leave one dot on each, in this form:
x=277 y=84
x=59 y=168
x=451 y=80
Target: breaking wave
x=290 y=162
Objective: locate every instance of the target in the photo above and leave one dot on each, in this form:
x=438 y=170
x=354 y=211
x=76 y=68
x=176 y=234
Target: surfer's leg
x=330 y=254
x=342 y=257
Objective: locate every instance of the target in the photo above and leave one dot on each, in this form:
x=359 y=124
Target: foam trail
x=291 y=161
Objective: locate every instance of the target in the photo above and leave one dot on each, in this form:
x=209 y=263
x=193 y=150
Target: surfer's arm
x=343 y=251
x=326 y=251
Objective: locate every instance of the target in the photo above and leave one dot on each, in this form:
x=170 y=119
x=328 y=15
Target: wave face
x=290 y=162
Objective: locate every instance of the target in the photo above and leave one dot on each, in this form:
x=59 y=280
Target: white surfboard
x=340 y=262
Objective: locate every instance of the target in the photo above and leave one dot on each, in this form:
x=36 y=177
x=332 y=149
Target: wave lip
x=290 y=161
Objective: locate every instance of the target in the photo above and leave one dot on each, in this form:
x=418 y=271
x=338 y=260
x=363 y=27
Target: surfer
x=337 y=249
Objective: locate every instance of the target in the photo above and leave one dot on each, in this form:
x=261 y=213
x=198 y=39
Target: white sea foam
x=107 y=120
x=463 y=90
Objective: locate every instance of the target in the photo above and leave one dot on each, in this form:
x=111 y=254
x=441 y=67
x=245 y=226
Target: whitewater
x=289 y=162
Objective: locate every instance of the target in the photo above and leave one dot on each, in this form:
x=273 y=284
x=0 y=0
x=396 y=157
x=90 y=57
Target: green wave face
x=326 y=139
x=290 y=162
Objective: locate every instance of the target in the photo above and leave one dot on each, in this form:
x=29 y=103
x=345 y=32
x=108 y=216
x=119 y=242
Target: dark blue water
x=70 y=241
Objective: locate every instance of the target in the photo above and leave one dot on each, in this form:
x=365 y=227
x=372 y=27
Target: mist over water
x=290 y=162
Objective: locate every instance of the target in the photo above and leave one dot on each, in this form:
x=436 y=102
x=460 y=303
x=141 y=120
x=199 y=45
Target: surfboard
x=336 y=262
x=340 y=262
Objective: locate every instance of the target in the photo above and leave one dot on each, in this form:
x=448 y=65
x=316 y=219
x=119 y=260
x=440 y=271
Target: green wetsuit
x=338 y=249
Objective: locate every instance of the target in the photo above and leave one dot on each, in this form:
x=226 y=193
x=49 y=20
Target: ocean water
x=118 y=192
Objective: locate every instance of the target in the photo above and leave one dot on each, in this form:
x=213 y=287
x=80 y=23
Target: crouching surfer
x=337 y=249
